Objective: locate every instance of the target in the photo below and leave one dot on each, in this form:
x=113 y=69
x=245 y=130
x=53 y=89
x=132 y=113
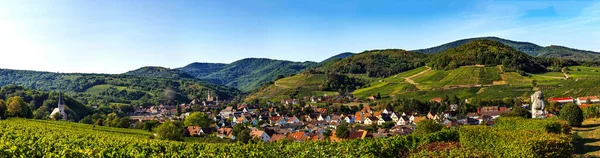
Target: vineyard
x=34 y=138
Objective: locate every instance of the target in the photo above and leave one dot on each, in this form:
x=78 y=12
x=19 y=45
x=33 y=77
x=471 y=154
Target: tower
x=209 y=98
x=61 y=106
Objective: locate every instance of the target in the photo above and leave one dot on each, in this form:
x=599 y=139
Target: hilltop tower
x=209 y=98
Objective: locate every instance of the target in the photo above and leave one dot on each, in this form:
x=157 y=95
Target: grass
x=588 y=144
x=411 y=72
x=584 y=72
x=391 y=85
x=513 y=78
x=488 y=75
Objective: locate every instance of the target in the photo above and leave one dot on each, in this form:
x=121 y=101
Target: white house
x=370 y=120
x=583 y=100
x=403 y=121
x=262 y=135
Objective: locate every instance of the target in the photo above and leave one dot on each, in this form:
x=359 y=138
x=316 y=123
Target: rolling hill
x=526 y=47
x=379 y=63
x=109 y=88
x=483 y=69
x=484 y=52
x=161 y=72
x=247 y=74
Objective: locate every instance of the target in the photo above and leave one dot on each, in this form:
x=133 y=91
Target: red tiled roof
x=296 y=136
x=559 y=99
x=582 y=106
x=277 y=137
x=588 y=97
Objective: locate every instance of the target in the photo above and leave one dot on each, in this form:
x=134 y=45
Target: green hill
x=379 y=63
x=526 y=47
x=484 y=52
x=161 y=72
x=569 y=53
x=305 y=84
x=246 y=74
x=107 y=88
x=339 y=56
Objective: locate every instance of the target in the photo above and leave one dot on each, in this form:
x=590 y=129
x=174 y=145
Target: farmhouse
x=591 y=99
x=562 y=100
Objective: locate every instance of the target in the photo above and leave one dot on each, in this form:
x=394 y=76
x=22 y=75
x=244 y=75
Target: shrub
x=516 y=143
x=428 y=126
x=517 y=111
x=452 y=152
x=169 y=131
x=572 y=114
x=545 y=125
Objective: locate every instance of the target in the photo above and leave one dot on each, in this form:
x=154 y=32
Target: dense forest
x=160 y=72
x=485 y=52
x=380 y=63
x=102 y=89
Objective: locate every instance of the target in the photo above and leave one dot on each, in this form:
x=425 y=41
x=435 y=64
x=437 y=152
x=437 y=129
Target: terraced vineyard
x=584 y=72
x=301 y=84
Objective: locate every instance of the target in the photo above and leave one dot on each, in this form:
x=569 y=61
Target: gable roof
x=297 y=136
x=277 y=137
x=256 y=133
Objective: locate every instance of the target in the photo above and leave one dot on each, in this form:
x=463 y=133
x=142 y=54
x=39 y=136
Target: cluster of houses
x=271 y=126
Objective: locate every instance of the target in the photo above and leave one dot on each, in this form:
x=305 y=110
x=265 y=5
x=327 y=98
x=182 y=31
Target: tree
x=123 y=122
x=378 y=95
x=149 y=125
x=2 y=109
x=428 y=126
x=86 y=120
x=178 y=108
x=342 y=131
x=572 y=114
x=17 y=107
x=197 y=119
x=327 y=133
x=241 y=133
x=169 y=131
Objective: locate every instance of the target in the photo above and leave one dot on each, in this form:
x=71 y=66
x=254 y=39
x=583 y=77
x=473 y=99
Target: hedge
x=516 y=143
x=550 y=125
x=456 y=152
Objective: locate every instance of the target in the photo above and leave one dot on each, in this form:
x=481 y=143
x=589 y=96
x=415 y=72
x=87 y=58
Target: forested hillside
x=247 y=74
x=39 y=104
x=526 y=47
x=484 y=52
x=380 y=63
x=161 y=72
x=105 y=88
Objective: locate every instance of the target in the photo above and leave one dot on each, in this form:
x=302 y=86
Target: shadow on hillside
x=594 y=125
x=581 y=148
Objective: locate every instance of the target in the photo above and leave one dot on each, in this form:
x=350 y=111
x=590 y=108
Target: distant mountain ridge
x=161 y=72
x=526 y=47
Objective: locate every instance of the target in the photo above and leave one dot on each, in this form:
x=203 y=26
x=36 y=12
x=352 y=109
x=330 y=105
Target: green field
x=584 y=72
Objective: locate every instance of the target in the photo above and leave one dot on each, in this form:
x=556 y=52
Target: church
x=61 y=108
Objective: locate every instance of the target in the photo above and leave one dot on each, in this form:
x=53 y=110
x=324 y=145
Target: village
x=312 y=123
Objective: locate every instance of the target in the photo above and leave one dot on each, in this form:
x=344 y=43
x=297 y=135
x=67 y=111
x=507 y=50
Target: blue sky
x=113 y=36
